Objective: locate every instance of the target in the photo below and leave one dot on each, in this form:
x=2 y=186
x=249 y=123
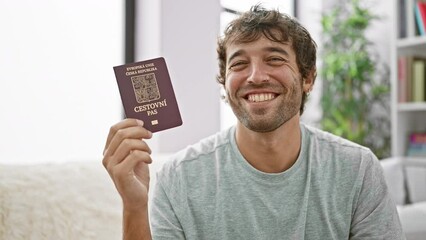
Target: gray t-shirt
x=335 y=190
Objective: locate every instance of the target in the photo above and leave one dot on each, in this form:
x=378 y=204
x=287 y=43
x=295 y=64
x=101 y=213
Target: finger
x=127 y=147
x=133 y=132
x=126 y=123
x=137 y=133
x=130 y=162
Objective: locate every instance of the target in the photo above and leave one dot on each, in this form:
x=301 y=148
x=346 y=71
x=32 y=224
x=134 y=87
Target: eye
x=237 y=65
x=275 y=60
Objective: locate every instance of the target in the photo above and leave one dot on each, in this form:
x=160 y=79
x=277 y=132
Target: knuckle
x=149 y=159
x=115 y=173
x=137 y=154
x=134 y=154
x=109 y=167
x=127 y=142
x=120 y=134
x=105 y=162
x=113 y=129
x=141 y=155
x=146 y=157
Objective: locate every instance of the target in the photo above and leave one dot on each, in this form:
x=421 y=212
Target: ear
x=224 y=94
x=308 y=82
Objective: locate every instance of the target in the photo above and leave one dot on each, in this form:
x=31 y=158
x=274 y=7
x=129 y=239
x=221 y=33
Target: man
x=268 y=177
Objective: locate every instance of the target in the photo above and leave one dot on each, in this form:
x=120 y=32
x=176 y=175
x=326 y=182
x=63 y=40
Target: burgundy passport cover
x=147 y=94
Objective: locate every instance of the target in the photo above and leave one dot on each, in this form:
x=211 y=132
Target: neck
x=271 y=152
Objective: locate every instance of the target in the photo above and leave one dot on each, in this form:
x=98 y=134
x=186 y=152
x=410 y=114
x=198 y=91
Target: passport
x=147 y=94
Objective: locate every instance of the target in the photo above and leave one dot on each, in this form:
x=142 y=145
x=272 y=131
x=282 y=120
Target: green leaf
x=353 y=79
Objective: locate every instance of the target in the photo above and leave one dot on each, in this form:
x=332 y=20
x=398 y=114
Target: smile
x=260 y=97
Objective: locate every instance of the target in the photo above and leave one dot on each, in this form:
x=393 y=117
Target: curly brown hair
x=277 y=27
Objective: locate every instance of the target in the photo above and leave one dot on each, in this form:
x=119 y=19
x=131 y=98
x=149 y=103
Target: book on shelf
x=418 y=83
x=411 y=18
x=404 y=82
x=417 y=145
x=410 y=23
x=420 y=16
x=402 y=19
x=411 y=79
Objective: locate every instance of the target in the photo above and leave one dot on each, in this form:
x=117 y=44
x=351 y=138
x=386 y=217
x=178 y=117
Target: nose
x=258 y=74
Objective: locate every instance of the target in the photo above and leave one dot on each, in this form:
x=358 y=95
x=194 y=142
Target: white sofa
x=406 y=179
x=62 y=201
x=77 y=200
x=58 y=201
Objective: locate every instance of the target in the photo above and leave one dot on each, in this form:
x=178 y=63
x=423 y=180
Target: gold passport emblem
x=145 y=88
x=141 y=84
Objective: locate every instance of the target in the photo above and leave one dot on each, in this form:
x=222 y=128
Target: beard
x=268 y=119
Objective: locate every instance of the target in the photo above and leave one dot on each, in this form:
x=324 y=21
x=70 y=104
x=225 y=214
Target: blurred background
x=58 y=93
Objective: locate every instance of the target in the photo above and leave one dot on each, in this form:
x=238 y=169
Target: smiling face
x=263 y=84
x=278 y=28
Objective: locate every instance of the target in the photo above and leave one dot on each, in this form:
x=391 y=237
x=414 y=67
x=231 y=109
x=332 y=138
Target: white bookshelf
x=407 y=117
x=414 y=45
x=411 y=107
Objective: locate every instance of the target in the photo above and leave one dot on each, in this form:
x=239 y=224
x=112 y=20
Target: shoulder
x=351 y=165
x=197 y=157
x=330 y=143
x=329 y=139
x=335 y=153
x=206 y=146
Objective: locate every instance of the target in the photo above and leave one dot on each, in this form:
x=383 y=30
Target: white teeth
x=260 y=97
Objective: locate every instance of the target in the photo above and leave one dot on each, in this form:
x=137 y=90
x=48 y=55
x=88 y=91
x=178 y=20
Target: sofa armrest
x=394 y=176
x=415 y=171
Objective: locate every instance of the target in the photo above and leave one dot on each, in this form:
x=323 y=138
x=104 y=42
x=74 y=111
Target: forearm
x=136 y=225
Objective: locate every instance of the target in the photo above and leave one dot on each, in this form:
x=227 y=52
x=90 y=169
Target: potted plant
x=356 y=87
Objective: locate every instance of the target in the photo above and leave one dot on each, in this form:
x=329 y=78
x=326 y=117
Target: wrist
x=136 y=224
x=130 y=209
x=134 y=205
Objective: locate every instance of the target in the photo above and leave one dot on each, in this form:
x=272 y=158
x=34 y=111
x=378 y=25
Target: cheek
x=285 y=77
x=292 y=74
x=293 y=71
x=231 y=82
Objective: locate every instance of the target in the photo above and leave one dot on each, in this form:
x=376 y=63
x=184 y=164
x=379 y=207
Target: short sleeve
x=374 y=215
x=163 y=219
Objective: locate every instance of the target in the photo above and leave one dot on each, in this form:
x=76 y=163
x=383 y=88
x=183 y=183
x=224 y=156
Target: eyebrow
x=235 y=54
x=267 y=49
x=277 y=49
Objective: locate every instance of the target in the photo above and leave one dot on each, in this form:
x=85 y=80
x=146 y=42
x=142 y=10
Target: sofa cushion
x=413 y=220
x=58 y=201
x=416 y=180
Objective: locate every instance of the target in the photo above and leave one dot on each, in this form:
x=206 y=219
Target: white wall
x=185 y=34
x=58 y=95
x=309 y=14
x=380 y=32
